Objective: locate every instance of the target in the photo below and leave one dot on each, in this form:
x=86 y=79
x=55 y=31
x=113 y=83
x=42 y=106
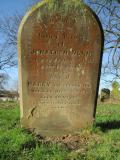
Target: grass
x=102 y=142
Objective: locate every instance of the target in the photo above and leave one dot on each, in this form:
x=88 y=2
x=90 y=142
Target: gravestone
x=105 y=95
x=115 y=93
x=60 y=50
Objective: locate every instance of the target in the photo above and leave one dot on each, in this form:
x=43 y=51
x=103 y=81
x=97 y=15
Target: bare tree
x=8 y=47
x=109 y=14
x=8 y=30
x=3 y=80
x=8 y=44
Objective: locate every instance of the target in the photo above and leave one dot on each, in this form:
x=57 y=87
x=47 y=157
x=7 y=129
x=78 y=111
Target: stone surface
x=105 y=95
x=60 y=51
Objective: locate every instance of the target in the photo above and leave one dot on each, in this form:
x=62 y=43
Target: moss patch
x=63 y=7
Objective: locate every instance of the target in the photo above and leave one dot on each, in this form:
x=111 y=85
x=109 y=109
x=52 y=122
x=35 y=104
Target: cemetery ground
x=102 y=142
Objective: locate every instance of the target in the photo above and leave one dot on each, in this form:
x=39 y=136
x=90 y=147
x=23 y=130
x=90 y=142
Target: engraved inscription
x=58 y=65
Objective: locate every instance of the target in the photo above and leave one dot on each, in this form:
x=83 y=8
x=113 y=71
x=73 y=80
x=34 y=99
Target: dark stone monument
x=105 y=95
x=60 y=51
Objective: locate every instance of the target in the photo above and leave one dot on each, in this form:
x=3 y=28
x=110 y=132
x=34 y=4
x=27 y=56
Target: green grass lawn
x=102 y=142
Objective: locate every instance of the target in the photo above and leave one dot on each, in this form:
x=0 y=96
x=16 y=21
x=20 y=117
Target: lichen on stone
x=64 y=7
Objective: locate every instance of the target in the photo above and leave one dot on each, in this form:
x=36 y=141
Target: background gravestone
x=105 y=95
x=60 y=50
x=115 y=93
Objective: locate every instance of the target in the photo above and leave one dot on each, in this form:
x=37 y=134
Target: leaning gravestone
x=60 y=51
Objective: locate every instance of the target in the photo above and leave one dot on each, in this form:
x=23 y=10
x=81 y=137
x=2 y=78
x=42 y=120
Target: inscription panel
x=60 y=59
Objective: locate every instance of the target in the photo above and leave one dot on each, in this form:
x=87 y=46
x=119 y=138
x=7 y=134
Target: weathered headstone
x=60 y=51
x=105 y=95
x=115 y=93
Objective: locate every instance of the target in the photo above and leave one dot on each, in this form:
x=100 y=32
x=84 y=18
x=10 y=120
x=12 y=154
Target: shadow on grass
x=105 y=126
